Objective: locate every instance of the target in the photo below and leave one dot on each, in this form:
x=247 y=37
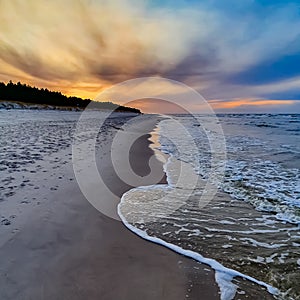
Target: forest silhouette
x=33 y=95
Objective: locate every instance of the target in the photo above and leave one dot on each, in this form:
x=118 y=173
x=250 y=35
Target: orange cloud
x=240 y=102
x=79 y=42
x=157 y=106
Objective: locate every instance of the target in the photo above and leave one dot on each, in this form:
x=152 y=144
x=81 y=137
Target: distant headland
x=18 y=95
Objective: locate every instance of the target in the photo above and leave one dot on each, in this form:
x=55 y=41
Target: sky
x=240 y=55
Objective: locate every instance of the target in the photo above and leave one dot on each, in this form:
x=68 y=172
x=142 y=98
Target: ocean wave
x=226 y=233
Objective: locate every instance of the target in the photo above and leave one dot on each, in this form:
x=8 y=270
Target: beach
x=247 y=225
x=56 y=245
x=149 y=150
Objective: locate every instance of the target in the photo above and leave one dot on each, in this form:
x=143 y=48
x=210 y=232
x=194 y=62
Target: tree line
x=33 y=95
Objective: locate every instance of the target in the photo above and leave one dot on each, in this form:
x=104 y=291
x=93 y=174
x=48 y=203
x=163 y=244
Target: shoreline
x=224 y=277
x=65 y=249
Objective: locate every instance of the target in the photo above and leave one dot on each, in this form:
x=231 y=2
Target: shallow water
x=251 y=224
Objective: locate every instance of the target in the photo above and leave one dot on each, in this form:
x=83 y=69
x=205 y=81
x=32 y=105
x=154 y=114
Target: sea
x=232 y=198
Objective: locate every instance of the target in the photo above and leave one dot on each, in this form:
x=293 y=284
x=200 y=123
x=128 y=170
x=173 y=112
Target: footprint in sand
x=5 y=222
x=9 y=194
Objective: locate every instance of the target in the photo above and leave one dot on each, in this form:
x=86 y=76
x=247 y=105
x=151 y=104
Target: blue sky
x=251 y=50
x=265 y=44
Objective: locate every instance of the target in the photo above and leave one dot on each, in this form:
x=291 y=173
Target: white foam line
x=261 y=244
x=222 y=272
x=223 y=275
x=252 y=231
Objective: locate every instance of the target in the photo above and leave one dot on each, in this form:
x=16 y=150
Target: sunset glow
x=248 y=102
x=83 y=47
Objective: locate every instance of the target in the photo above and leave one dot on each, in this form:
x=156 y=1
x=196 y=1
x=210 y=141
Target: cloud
x=288 y=89
x=71 y=39
x=240 y=49
x=253 y=105
x=269 y=71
